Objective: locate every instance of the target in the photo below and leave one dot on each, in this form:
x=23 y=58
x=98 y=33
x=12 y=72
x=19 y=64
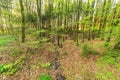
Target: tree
x=39 y=26
x=23 y=20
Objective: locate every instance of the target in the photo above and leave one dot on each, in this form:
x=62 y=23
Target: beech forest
x=59 y=39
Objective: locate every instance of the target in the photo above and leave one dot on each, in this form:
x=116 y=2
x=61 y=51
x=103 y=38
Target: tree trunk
x=23 y=20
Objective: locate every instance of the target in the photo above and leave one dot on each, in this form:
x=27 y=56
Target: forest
x=59 y=39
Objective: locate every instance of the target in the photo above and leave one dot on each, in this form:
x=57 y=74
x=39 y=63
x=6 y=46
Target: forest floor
x=32 y=61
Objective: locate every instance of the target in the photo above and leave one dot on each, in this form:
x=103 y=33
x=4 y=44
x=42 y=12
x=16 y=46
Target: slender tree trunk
x=83 y=35
x=23 y=20
x=89 y=30
x=65 y=22
x=58 y=24
x=95 y=21
x=39 y=14
x=77 y=26
x=91 y=20
x=61 y=30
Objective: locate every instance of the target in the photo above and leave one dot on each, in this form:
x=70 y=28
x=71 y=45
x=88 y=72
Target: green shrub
x=8 y=68
x=45 y=77
x=106 y=44
x=87 y=50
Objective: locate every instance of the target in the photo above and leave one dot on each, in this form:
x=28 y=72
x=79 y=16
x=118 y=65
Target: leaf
x=41 y=31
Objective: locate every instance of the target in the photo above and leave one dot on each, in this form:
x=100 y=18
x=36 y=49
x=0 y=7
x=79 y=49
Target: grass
x=45 y=77
x=4 y=40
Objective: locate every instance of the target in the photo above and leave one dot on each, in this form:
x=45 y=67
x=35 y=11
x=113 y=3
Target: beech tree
x=23 y=20
x=59 y=20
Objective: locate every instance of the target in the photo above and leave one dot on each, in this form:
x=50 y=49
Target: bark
x=58 y=24
x=23 y=20
x=78 y=17
x=39 y=14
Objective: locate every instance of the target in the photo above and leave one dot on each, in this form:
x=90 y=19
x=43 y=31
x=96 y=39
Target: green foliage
x=106 y=44
x=41 y=31
x=8 y=68
x=46 y=65
x=108 y=60
x=117 y=34
x=87 y=50
x=105 y=75
x=4 y=40
x=110 y=57
x=31 y=17
x=45 y=77
x=11 y=68
x=44 y=40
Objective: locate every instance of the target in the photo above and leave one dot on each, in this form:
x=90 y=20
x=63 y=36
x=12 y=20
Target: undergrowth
x=108 y=65
x=45 y=77
x=4 y=40
x=8 y=68
x=110 y=57
x=11 y=68
x=87 y=50
x=45 y=65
